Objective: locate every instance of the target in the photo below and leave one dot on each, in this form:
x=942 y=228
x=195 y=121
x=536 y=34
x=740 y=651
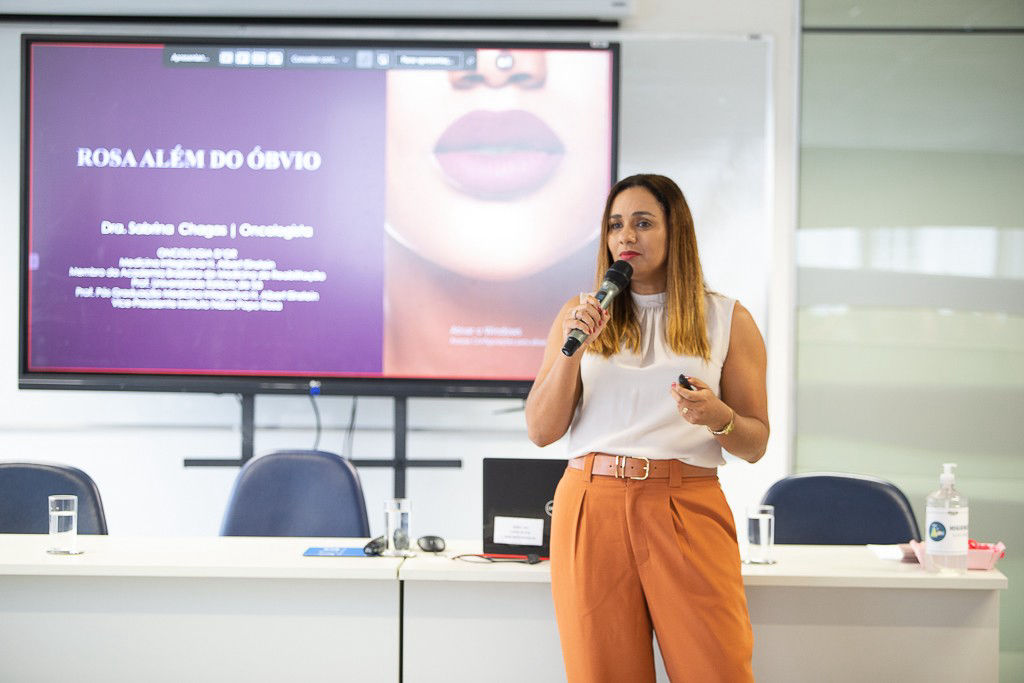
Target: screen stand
x=248 y=427
x=399 y=461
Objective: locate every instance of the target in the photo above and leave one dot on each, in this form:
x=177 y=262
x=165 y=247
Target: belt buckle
x=620 y=467
x=647 y=467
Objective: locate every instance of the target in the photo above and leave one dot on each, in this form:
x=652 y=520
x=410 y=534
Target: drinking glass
x=63 y=525
x=396 y=527
x=760 y=534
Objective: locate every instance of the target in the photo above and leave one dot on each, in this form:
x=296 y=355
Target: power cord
x=314 y=391
x=532 y=558
x=350 y=430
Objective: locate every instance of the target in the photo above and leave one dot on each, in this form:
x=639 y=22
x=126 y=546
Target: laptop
x=518 y=497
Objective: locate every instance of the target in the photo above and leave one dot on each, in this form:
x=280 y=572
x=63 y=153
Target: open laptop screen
x=518 y=500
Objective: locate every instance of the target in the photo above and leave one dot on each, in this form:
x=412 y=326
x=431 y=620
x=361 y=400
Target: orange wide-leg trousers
x=630 y=556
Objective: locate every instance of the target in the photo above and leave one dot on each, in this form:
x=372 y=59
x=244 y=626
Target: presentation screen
x=392 y=218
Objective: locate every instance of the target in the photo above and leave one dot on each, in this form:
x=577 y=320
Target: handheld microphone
x=615 y=280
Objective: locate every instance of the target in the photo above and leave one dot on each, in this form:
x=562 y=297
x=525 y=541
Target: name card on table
x=519 y=530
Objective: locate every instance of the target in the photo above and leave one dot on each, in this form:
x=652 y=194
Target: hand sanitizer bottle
x=945 y=547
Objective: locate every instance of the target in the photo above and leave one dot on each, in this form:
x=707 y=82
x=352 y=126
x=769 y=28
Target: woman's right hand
x=587 y=316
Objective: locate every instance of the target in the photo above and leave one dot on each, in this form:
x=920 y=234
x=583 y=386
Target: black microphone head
x=619 y=274
x=572 y=344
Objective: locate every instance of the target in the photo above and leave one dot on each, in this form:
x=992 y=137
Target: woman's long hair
x=686 y=329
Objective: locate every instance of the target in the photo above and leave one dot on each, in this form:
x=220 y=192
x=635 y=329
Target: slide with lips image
x=446 y=215
x=504 y=173
x=495 y=193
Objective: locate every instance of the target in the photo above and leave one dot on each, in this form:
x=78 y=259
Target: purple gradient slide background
x=125 y=97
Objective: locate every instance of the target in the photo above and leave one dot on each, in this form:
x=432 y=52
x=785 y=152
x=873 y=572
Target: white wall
x=133 y=444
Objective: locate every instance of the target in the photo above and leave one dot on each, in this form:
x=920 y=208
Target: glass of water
x=760 y=534
x=396 y=527
x=63 y=525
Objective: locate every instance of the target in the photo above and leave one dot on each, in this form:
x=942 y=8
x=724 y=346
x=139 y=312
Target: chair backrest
x=831 y=508
x=297 y=493
x=24 y=487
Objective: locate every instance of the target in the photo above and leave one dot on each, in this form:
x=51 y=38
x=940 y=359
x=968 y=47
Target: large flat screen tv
x=383 y=218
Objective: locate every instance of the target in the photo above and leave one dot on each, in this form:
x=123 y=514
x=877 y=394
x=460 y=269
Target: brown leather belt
x=627 y=467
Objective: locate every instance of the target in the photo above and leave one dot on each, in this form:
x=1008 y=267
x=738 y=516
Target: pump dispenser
x=946 y=516
x=947 y=478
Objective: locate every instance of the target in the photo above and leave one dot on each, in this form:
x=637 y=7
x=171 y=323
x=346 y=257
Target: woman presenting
x=642 y=537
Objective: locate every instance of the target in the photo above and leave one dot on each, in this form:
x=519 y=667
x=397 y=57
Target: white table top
x=244 y=557
x=211 y=557
x=798 y=566
x=855 y=566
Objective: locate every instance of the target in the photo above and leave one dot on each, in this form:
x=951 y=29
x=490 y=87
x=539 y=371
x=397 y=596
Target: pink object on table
x=977 y=558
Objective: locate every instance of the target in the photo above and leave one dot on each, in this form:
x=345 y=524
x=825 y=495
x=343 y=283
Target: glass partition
x=910 y=253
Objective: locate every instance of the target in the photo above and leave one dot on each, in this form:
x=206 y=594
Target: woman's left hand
x=701 y=406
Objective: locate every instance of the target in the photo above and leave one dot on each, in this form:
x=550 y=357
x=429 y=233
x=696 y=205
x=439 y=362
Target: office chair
x=297 y=493
x=24 y=487
x=832 y=508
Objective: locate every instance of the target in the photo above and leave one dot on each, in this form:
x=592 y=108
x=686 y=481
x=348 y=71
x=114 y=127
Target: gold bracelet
x=727 y=429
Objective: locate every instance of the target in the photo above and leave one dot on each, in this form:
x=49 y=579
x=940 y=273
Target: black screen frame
x=264 y=384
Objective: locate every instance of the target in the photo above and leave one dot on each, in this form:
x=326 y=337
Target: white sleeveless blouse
x=626 y=408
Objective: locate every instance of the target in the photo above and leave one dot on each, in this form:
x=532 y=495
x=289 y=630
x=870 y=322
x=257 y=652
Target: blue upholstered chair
x=24 y=487
x=831 y=508
x=297 y=493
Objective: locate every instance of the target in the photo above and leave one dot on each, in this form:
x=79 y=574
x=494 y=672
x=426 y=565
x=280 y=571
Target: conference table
x=196 y=609
x=256 y=609
x=821 y=613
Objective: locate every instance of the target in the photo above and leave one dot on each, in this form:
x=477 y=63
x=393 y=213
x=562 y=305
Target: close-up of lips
x=498 y=155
